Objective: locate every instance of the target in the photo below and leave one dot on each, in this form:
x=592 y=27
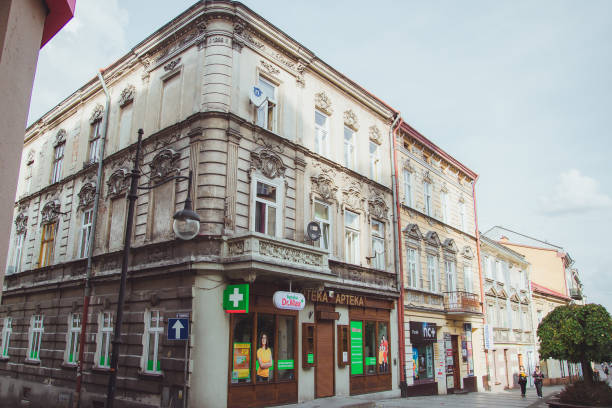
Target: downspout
x=90 y=247
x=398 y=259
x=482 y=298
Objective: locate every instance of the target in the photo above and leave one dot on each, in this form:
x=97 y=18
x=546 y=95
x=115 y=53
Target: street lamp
x=186 y=226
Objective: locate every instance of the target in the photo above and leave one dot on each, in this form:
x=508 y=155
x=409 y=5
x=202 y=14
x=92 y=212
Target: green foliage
x=597 y=394
x=576 y=333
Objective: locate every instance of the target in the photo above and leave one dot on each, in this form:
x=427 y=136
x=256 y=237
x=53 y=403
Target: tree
x=578 y=334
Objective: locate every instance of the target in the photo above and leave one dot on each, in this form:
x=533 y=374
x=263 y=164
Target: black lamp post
x=186 y=226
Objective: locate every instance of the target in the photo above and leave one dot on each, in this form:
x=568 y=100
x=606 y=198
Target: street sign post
x=178 y=329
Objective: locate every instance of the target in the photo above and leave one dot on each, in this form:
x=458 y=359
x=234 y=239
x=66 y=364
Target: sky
x=519 y=91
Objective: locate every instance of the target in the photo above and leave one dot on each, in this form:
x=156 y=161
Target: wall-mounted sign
x=289 y=300
x=422 y=332
x=488 y=337
x=322 y=296
x=356 y=347
x=236 y=298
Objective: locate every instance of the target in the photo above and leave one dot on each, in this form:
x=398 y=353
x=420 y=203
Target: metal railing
x=575 y=293
x=461 y=302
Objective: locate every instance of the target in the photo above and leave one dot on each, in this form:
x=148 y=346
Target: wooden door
x=324 y=371
x=456 y=363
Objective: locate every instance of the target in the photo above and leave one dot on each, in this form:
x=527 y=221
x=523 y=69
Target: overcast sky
x=519 y=91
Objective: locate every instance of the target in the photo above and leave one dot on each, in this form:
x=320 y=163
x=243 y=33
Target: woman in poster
x=264 y=358
x=383 y=352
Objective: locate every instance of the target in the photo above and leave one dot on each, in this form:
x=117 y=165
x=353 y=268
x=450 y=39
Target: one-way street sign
x=178 y=329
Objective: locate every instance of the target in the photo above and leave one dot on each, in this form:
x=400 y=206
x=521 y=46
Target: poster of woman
x=383 y=354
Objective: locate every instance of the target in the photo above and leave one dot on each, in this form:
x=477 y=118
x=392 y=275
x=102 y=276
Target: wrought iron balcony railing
x=575 y=293
x=460 y=302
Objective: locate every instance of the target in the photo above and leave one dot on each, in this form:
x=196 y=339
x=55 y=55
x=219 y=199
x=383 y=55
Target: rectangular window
x=374 y=161
x=423 y=361
x=486 y=266
x=17 y=254
x=170 y=100
x=497 y=272
x=369 y=345
x=432 y=272
x=7 y=329
x=462 y=217
x=285 y=347
x=321 y=133
x=47 y=244
x=451 y=276
x=427 y=197
x=503 y=318
x=349 y=148
x=125 y=126
x=378 y=244
x=407 y=175
x=444 y=200
x=468 y=278
x=266 y=209
x=154 y=329
x=351 y=237
x=71 y=354
x=35 y=337
x=105 y=331
x=85 y=232
x=323 y=217
x=506 y=275
x=94 y=142
x=266 y=112
x=413 y=269
x=57 y=163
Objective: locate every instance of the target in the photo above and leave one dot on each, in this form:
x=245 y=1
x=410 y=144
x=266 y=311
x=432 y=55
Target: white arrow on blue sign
x=178 y=329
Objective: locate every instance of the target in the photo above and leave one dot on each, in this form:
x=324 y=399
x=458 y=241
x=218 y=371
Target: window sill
x=31 y=362
x=69 y=366
x=149 y=375
x=101 y=369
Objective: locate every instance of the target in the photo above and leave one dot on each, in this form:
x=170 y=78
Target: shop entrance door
x=456 y=365
x=324 y=371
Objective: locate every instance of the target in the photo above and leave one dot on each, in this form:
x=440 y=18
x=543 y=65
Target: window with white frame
x=486 y=266
x=85 y=232
x=451 y=276
x=103 y=343
x=491 y=314
x=321 y=133
x=351 y=237
x=154 y=329
x=407 y=175
x=58 y=159
x=7 y=330
x=432 y=273
x=268 y=208
x=468 y=278
x=414 y=280
x=444 y=203
x=349 y=148
x=47 y=244
x=322 y=215
x=266 y=112
x=462 y=218
x=94 y=141
x=503 y=320
x=374 y=161
x=506 y=273
x=15 y=266
x=497 y=272
x=378 y=244
x=35 y=337
x=73 y=337
x=427 y=197
x=516 y=319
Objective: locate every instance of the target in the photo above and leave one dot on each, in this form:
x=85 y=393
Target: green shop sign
x=356 y=347
x=236 y=298
x=285 y=364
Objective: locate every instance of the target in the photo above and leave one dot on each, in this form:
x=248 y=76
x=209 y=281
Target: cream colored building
x=276 y=139
x=439 y=253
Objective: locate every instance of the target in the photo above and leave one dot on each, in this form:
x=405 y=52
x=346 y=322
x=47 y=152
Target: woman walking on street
x=522 y=380
x=537 y=379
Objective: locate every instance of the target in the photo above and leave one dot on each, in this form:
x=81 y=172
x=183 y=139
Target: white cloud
x=574 y=193
x=93 y=39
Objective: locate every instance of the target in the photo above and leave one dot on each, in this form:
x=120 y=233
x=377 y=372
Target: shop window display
x=422 y=356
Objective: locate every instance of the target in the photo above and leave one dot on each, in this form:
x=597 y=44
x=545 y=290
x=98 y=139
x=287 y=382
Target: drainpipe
x=398 y=259
x=482 y=298
x=90 y=247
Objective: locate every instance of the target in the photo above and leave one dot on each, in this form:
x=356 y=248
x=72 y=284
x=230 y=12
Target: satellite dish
x=313 y=230
x=257 y=96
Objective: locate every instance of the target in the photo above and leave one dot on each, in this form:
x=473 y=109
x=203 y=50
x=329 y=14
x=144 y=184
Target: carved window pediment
x=30 y=157
x=450 y=245
x=267 y=162
x=21 y=223
x=60 y=137
x=96 y=114
x=323 y=103
x=502 y=294
x=351 y=196
x=431 y=238
x=377 y=207
x=407 y=165
x=87 y=195
x=324 y=185
x=491 y=292
x=375 y=134
x=127 y=96
x=524 y=300
x=444 y=189
x=515 y=298
x=427 y=177
x=350 y=120
x=413 y=231
x=165 y=164
x=467 y=253
x=118 y=182
x=50 y=212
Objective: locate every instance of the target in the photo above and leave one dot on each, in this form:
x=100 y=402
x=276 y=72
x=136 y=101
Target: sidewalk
x=391 y=399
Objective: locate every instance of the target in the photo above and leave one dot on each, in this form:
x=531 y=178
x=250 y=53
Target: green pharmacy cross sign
x=236 y=298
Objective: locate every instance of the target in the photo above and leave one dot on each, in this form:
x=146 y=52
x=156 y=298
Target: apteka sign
x=289 y=300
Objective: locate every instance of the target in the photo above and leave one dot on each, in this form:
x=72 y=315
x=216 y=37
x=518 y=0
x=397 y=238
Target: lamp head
x=186 y=223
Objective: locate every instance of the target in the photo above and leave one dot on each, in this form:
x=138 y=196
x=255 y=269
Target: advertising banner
x=241 y=361
x=356 y=347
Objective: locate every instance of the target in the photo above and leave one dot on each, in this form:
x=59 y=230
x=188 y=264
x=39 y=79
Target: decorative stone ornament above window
x=172 y=65
x=449 y=245
x=127 y=96
x=461 y=199
x=375 y=134
x=97 y=114
x=270 y=68
x=21 y=223
x=324 y=185
x=50 y=212
x=350 y=120
x=351 y=196
x=431 y=238
x=377 y=207
x=118 y=182
x=323 y=103
x=60 y=137
x=467 y=253
x=407 y=165
x=267 y=162
x=30 y=158
x=413 y=231
x=164 y=164
x=87 y=195
x=444 y=189
x=427 y=177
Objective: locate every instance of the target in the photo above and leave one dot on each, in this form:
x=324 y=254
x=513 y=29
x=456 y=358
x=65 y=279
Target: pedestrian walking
x=537 y=379
x=606 y=369
x=522 y=380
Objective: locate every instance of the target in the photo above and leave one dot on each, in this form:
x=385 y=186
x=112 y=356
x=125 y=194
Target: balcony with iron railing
x=576 y=293
x=461 y=302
